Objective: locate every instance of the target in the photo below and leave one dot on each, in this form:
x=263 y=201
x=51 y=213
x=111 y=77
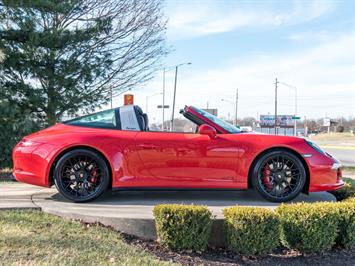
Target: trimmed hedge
x=351 y=199
x=251 y=230
x=183 y=227
x=347 y=191
x=346 y=234
x=309 y=227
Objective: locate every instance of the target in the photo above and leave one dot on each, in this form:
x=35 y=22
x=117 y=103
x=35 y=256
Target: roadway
x=343 y=152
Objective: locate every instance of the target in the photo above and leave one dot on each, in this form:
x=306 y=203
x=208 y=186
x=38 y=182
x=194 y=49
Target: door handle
x=148 y=146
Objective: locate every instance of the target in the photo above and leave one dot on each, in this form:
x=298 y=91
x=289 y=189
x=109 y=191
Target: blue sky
x=247 y=44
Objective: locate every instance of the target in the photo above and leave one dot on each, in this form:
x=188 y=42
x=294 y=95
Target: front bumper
x=31 y=163
x=326 y=177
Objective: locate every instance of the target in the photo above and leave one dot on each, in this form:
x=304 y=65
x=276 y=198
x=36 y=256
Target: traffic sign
x=296 y=117
x=128 y=99
x=165 y=106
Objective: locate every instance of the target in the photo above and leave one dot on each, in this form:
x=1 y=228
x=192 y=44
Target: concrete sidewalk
x=14 y=195
x=134 y=204
x=131 y=212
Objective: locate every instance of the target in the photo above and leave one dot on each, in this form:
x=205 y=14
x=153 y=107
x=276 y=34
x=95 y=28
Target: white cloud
x=198 y=18
x=323 y=74
x=310 y=36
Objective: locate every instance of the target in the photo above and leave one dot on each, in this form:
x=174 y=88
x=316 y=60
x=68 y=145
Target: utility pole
x=276 y=83
x=236 y=107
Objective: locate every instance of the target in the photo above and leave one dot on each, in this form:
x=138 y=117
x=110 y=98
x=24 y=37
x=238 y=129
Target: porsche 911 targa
x=114 y=149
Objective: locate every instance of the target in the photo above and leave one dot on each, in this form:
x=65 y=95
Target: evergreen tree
x=62 y=56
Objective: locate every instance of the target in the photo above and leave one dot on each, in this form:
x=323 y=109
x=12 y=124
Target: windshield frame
x=215 y=121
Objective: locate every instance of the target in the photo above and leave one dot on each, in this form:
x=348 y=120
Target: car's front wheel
x=279 y=176
x=81 y=175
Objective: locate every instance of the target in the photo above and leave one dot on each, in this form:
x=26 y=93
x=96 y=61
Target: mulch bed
x=226 y=257
x=6 y=175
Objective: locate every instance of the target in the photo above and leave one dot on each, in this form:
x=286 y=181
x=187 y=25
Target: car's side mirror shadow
x=205 y=129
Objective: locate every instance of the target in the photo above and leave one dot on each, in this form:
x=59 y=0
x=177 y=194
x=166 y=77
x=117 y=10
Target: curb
x=142 y=228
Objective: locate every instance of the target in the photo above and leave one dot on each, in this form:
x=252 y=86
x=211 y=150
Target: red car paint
x=139 y=159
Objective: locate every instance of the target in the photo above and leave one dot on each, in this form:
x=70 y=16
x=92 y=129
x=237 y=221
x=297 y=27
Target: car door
x=188 y=160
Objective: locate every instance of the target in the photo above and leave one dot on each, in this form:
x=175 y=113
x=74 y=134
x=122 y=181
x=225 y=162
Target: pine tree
x=62 y=56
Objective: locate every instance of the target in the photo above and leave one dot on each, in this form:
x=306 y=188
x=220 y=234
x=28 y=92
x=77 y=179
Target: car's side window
x=104 y=119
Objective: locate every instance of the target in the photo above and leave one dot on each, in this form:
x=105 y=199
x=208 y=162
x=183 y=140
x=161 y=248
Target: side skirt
x=118 y=189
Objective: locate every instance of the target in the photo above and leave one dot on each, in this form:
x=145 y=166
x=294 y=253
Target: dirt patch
x=226 y=257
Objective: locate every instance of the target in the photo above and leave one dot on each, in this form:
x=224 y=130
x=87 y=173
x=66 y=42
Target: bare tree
x=62 y=56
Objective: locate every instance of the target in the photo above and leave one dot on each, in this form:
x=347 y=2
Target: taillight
x=339 y=174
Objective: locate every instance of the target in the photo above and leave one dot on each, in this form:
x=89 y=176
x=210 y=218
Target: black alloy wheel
x=279 y=176
x=81 y=175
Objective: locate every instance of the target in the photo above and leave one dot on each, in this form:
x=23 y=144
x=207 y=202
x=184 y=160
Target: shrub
x=346 y=235
x=351 y=199
x=347 y=191
x=251 y=230
x=183 y=227
x=308 y=227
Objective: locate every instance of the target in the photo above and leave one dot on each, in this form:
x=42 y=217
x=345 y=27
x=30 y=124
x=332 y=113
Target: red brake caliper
x=93 y=176
x=266 y=177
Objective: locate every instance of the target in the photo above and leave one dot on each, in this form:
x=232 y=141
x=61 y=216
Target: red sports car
x=114 y=149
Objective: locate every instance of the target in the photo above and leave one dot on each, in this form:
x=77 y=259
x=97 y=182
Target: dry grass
x=345 y=137
x=35 y=238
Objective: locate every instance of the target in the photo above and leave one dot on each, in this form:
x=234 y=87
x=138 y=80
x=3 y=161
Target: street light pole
x=276 y=82
x=172 y=116
x=175 y=83
x=236 y=107
x=146 y=100
x=146 y=104
x=162 y=125
x=111 y=96
x=294 y=120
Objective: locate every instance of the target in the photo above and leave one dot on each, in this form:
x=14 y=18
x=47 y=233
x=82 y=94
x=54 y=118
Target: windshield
x=103 y=119
x=225 y=125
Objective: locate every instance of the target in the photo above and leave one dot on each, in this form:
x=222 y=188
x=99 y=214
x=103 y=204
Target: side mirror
x=207 y=130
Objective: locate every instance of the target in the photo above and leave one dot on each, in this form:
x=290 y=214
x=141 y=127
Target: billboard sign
x=282 y=120
x=211 y=111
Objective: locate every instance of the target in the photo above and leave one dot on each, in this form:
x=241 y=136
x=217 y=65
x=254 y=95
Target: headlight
x=315 y=147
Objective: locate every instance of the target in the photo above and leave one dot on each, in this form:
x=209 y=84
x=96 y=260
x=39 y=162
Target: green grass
x=35 y=238
x=350 y=181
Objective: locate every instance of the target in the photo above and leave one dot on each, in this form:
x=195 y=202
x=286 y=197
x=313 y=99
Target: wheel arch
x=76 y=147
x=250 y=171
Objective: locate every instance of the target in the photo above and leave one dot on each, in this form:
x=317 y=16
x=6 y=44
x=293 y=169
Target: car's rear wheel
x=279 y=176
x=81 y=175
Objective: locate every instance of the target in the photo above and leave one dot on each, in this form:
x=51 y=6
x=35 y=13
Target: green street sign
x=296 y=117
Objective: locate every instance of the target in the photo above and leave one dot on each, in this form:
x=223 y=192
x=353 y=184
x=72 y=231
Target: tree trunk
x=51 y=117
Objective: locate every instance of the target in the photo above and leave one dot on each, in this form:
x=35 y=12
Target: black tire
x=81 y=175
x=279 y=176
